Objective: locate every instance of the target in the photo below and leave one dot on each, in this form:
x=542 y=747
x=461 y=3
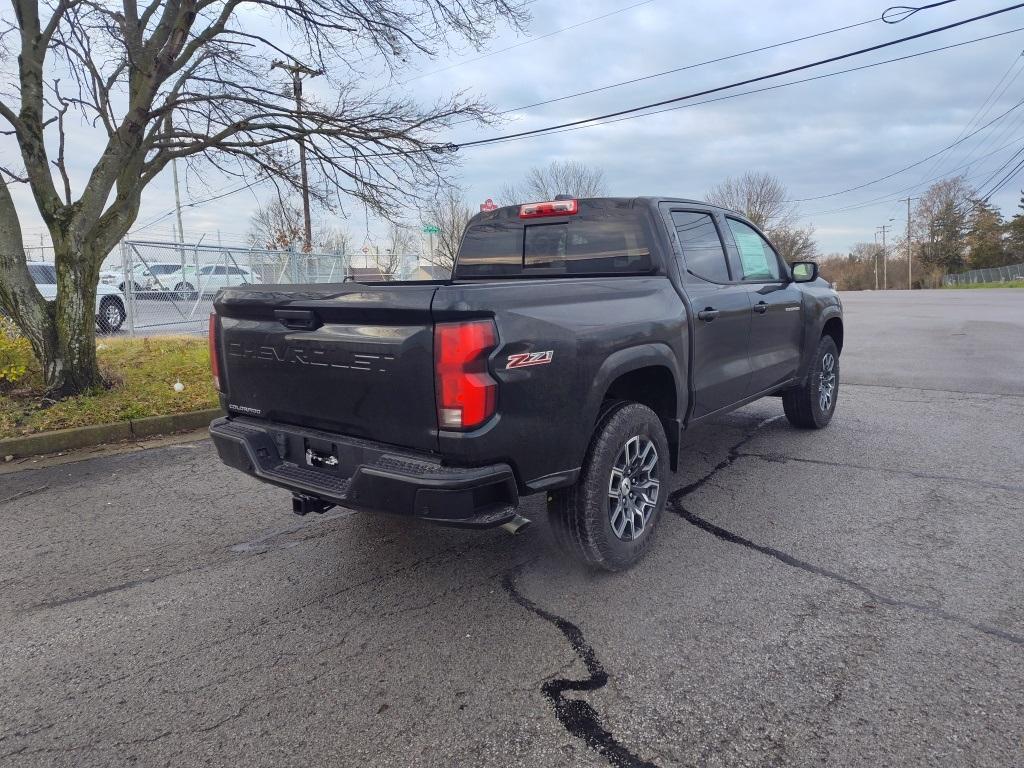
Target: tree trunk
x=70 y=368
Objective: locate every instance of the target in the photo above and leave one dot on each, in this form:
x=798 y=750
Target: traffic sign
x=488 y=205
x=431 y=229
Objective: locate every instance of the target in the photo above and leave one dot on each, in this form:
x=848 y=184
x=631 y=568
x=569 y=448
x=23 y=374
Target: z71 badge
x=526 y=359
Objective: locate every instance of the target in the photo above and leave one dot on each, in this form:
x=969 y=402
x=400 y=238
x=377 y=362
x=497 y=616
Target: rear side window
x=605 y=237
x=756 y=257
x=43 y=274
x=701 y=244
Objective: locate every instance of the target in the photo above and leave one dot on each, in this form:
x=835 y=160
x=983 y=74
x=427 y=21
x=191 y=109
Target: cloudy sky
x=817 y=137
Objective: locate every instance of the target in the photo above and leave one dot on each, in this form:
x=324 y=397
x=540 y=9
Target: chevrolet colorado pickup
x=573 y=344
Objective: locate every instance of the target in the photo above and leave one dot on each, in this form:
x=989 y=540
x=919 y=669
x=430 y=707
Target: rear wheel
x=608 y=519
x=111 y=315
x=811 y=405
x=185 y=291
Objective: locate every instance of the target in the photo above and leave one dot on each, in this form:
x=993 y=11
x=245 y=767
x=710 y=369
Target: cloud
x=818 y=137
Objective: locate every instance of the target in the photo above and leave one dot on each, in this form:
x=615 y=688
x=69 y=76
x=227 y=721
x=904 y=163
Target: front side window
x=702 y=247
x=756 y=256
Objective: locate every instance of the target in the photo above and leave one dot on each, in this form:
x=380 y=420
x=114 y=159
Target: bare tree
x=400 y=244
x=941 y=222
x=277 y=225
x=448 y=212
x=760 y=197
x=763 y=199
x=795 y=243
x=189 y=79
x=570 y=177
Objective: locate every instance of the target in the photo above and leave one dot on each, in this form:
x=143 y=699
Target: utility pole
x=885 y=260
x=177 y=201
x=297 y=71
x=910 y=250
x=875 y=259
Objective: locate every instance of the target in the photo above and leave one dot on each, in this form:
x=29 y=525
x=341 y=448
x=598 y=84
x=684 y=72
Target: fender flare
x=814 y=333
x=630 y=359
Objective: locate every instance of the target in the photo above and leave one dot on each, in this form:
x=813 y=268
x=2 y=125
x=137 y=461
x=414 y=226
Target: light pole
x=297 y=71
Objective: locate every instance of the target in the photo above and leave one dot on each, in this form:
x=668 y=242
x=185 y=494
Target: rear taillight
x=466 y=393
x=552 y=208
x=214 y=351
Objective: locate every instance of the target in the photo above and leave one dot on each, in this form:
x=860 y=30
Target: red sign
x=366 y=249
x=488 y=205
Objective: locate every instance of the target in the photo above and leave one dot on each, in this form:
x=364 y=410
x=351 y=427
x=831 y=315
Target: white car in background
x=209 y=279
x=110 y=313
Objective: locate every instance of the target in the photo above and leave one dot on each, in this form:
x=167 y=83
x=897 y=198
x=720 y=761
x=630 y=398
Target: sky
x=817 y=137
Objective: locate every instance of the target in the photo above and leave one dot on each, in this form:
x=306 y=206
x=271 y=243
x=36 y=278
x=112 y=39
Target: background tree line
x=952 y=230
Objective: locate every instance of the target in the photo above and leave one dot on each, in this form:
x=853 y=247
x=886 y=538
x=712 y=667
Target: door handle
x=708 y=314
x=761 y=307
x=297 y=319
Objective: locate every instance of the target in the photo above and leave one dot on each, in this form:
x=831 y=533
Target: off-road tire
x=580 y=516
x=805 y=405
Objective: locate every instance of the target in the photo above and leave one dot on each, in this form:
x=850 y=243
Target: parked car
x=156 y=279
x=574 y=343
x=209 y=279
x=110 y=312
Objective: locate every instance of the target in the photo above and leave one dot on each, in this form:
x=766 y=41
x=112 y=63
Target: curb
x=85 y=437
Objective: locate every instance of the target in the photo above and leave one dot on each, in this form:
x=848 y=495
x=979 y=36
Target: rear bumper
x=367 y=476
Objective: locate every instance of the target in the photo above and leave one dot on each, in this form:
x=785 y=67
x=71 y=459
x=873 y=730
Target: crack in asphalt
x=23 y=494
x=889 y=470
x=734 y=454
x=577 y=716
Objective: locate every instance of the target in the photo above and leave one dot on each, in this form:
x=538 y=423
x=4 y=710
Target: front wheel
x=607 y=520
x=811 y=405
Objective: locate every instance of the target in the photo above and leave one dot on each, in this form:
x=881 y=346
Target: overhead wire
x=748 y=81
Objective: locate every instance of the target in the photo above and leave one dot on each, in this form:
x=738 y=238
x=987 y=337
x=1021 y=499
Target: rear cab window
x=605 y=237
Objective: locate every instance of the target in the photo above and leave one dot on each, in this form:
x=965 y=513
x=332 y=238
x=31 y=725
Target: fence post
x=129 y=287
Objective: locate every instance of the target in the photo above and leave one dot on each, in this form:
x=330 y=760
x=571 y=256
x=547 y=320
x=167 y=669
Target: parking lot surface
x=853 y=596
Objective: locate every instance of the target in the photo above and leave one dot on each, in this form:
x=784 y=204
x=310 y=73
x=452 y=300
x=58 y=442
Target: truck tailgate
x=353 y=359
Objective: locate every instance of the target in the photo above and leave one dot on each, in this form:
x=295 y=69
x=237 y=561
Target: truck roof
x=512 y=211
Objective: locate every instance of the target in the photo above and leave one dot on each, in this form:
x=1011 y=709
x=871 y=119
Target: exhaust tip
x=517 y=524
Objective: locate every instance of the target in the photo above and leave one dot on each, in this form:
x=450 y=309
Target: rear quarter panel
x=595 y=330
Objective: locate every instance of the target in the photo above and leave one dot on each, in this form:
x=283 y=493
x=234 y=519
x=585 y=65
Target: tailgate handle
x=298 y=319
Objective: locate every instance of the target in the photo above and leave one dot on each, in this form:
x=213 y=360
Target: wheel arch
x=648 y=374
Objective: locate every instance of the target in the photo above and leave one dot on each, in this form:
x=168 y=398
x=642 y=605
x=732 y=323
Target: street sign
x=431 y=229
x=366 y=249
x=488 y=205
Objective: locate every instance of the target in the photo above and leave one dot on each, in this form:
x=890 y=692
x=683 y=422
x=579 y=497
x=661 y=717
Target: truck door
x=722 y=315
x=776 y=329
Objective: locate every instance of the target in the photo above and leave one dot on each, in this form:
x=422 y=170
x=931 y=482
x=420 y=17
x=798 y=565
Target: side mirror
x=805 y=271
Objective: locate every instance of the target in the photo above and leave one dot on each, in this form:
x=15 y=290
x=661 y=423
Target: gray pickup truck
x=573 y=344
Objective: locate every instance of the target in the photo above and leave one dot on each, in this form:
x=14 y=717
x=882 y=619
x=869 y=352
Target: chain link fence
x=990 y=275
x=169 y=287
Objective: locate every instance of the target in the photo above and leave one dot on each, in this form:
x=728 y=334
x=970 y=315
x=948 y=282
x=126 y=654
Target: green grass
x=141 y=373
x=1007 y=284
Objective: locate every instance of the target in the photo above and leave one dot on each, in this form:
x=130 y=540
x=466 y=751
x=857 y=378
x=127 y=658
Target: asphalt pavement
x=848 y=597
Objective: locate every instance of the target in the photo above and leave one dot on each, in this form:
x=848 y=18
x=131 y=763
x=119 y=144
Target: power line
x=912 y=165
x=589 y=124
x=690 y=66
x=749 y=81
x=1003 y=182
x=898 y=195
x=984 y=109
x=526 y=42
